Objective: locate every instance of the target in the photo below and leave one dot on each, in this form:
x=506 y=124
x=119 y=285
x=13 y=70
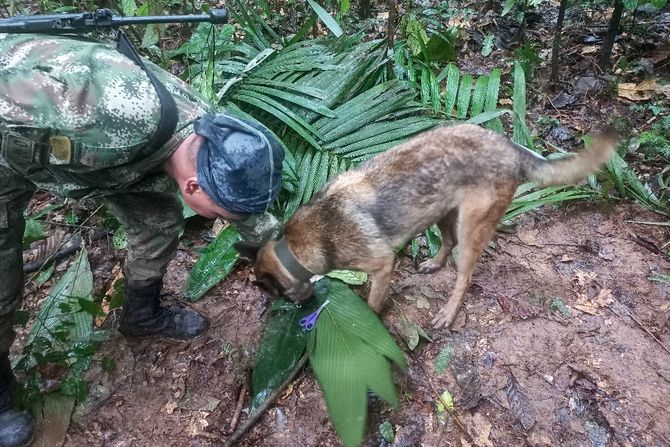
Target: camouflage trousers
x=153 y=222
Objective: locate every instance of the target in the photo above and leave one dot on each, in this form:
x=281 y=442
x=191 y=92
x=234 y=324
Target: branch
x=253 y=418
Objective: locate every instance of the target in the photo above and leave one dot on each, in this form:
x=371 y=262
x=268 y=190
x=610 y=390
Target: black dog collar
x=290 y=263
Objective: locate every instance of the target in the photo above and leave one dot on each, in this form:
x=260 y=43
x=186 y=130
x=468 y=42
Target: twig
x=642 y=222
x=642 y=326
x=253 y=417
x=240 y=403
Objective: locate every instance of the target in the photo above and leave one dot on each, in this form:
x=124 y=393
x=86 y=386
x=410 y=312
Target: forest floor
x=563 y=339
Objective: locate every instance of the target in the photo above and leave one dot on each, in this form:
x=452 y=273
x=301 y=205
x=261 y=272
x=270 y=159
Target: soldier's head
x=238 y=168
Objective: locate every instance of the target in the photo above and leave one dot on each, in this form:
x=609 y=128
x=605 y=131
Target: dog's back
x=432 y=172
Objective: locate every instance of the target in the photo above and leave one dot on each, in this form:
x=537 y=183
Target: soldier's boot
x=142 y=316
x=17 y=428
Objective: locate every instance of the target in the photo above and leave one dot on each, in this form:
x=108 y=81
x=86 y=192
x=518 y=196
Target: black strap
x=290 y=263
x=169 y=116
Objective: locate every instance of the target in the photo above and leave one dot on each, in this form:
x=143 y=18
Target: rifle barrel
x=216 y=16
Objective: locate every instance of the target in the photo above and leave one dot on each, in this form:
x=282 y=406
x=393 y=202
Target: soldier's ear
x=248 y=249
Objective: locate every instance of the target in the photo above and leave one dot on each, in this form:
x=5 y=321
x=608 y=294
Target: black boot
x=142 y=316
x=17 y=428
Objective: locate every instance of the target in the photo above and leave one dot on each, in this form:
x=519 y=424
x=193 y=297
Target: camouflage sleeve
x=259 y=227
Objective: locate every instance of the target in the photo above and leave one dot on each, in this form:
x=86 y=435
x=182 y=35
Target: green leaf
x=128 y=7
x=356 y=317
x=75 y=387
x=520 y=133
x=32 y=232
x=336 y=361
x=479 y=96
x=350 y=355
x=386 y=430
x=443 y=359
x=488 y=116
x=507 y=6
x=107 y=364
x=451 y=90
x=349 y=277
x=120 y=239
x=464 y=94
x=487 y=45
x=433 y=240
x=446 y=402
x=187 y=212
x=559 y=305
x=326 y=18
x=89 y=306
x=75 y=285
x=214 y=264
x=44 y=276
x=282 y=345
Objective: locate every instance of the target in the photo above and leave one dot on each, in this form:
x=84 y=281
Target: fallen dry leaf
x=481 y=431
x=590 y=49
x=586 y=308
x=643 y=91
x=170 y=407
x=661 y=53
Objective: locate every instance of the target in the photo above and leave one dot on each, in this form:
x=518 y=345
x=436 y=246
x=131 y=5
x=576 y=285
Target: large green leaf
x=62 y=307
x=351 y=353
x=282 y=344
x=326 y=18
x=520 y=134
x=214 y=264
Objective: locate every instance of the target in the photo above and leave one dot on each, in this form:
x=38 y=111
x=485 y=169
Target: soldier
x=81 y=120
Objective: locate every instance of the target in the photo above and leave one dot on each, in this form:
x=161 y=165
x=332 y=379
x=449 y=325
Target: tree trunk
x=557 y=42
x=364 y=9
x=613 y=30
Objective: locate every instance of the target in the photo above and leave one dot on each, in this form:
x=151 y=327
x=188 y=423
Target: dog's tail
x=568 y=170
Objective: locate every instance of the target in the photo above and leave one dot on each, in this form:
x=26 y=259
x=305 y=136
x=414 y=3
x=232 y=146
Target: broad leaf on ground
x=351 y=354
x=214 y=264
x=282 y=345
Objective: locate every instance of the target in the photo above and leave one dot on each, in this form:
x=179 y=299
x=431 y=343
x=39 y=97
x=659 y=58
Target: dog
x=461 y=177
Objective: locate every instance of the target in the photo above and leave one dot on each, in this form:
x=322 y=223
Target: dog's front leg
x=381 y=279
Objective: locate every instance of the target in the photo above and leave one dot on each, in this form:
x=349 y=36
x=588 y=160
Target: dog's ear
x=248 y=249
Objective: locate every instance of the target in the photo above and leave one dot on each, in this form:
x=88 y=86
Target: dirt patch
x=545 y=352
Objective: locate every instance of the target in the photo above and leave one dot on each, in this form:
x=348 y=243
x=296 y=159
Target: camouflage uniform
x=76 y=118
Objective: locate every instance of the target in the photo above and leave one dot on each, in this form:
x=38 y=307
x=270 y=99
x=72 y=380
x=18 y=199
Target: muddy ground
x=561 y=342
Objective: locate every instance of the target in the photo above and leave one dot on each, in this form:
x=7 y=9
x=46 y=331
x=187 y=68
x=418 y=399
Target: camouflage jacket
x=76 y=116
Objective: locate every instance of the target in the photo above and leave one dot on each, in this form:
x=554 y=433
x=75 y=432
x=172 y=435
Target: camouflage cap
x=239 y=164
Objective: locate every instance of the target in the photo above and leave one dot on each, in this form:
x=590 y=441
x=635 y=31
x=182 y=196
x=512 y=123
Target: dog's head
x=271 y=276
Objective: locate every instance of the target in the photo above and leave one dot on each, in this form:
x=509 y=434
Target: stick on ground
x=253 y=418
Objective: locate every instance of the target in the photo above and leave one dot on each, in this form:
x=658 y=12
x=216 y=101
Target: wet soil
x=561 y=342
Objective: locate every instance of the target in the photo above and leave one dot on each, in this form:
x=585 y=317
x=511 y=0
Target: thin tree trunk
x=390 y=35
x=364 y=9
x=557 y=42
x=613 y=30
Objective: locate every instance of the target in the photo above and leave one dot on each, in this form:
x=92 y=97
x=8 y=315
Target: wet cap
x=239 y=164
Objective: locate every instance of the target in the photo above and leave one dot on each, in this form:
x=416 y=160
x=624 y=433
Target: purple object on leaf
x=309 y=321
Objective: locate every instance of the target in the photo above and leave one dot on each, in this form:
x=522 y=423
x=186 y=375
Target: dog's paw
x=429 y=266
x=444 y=318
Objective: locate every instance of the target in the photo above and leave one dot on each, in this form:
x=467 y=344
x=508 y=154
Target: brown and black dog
x=461 y=177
